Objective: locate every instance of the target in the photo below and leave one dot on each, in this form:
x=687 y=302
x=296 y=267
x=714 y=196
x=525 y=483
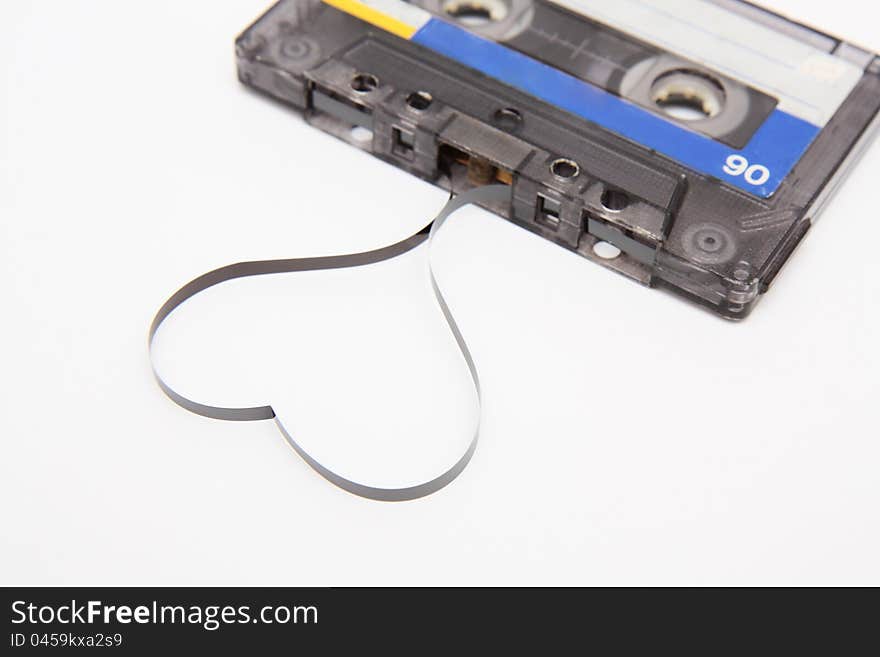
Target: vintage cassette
x=688 y=144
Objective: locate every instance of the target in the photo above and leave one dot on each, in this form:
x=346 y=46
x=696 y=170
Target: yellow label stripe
x=374 y=17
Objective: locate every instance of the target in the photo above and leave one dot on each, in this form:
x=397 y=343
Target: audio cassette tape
x=688 y=144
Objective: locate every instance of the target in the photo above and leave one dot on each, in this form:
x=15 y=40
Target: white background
x=628 y=437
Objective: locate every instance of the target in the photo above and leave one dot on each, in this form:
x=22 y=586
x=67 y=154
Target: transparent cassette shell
x=572 y=181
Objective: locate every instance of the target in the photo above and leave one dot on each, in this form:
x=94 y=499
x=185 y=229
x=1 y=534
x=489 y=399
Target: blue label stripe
x=777 y=145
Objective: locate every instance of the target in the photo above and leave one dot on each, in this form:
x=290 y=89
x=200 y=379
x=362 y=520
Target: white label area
x=808 y=83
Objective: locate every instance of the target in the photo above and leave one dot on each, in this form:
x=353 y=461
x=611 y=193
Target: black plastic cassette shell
x=302 y=48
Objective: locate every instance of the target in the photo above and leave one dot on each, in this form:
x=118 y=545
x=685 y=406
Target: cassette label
x=759 y=167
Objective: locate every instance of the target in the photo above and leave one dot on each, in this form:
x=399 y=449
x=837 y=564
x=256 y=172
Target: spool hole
x=564 y=168
x=614 y=200
x=364 y=82
x=688 y=95
x=419 y=100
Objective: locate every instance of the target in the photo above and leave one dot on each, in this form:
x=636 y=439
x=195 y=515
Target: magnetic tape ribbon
x=487 y=194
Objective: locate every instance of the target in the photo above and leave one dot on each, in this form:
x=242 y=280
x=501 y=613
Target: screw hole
x=364 y=82
x=419 y=100
x=742 y=271
x=614 y=200
x=565 y=169
x=606 y=250
x=507 y=118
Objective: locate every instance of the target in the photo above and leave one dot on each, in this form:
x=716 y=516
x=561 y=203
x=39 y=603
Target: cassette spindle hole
x=419 y=100
x=688 y=95
x=565 y=169
x=475 y=13
x=364 y=82
x=614 y=200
